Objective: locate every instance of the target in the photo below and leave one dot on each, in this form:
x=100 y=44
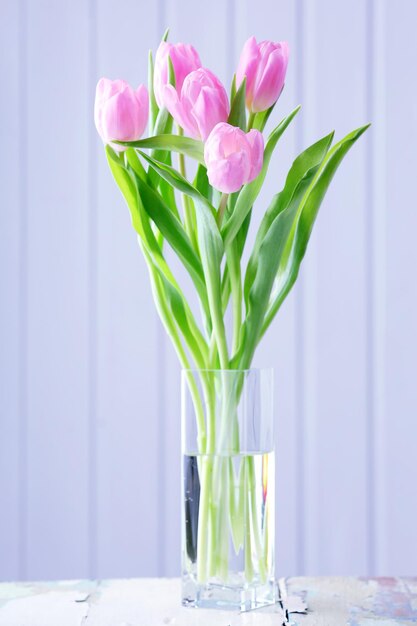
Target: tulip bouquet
x=190 y=116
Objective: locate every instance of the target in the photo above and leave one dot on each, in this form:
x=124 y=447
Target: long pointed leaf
x=261 y=119
x=201 y=182
x=173 y=294
x=176 y=143
x=163 y=126
x=270 y=252
x=305 y=164
x=211 y=249
x=237 y=116
x=250 y=192
x=284 y=245
x=174 y=178
x=296 y=247
x=173 y=231
x=123 y=179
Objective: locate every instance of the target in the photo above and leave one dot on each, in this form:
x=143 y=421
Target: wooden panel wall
x=89 y=384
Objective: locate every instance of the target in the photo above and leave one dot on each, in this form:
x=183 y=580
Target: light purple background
x=89 y=385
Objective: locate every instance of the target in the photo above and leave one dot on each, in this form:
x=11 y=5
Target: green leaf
x=134 y=162
x=174 y=178
x=153 y=106
x=128 y=188
x=233 y=88
x=250 y=192
x=173 y=231
x=305 y=165
x=211 y=251
x=173 y=295
x=261 y=118
x=174 y=300
x=237 y=116
x=163 y=126
x=176 y=143
x=284 y=244
x=268 y=258
x=177 y=302
x=201 y=182
x=297 y=244
x=165 y=190
x=243 y=233
x=163 y=122
x=168 y=194
x=171 y=71
x=210 y=246
x=167 y=223
x=122 y=178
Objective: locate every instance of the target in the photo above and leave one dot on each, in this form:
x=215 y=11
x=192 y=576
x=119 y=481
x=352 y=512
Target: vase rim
x=241 y=371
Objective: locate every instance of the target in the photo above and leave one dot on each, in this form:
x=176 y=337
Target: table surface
x=155 y=602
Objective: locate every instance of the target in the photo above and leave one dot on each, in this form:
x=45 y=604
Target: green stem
x=213 y=352
x=203 y=538
x=154 y=256
x=233 y=264
x=170 y=327
x=219 y=332
x=223 y=519
x=226 y=289
x=251 y=487
x=251 y=120
x=210 y=404
x=248 y=540
x=206 y=537
x=212 y=539
x=236 y=506
x=188 y=208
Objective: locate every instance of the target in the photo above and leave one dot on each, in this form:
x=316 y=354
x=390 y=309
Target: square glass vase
x=228 y=472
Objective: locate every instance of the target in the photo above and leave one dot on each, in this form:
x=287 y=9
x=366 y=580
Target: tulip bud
x=265 y=66
x=184 y=59
x=233 y=157
x=120 y=112
x=202 y=104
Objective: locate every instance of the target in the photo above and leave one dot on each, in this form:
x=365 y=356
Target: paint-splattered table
x=155 y=602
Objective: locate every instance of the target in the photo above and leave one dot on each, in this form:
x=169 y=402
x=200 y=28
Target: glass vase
x=228 y=489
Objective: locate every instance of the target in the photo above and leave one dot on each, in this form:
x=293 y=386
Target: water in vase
x=228 y=530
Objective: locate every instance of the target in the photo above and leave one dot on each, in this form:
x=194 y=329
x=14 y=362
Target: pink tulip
x=184 y=59
x=233 y=157
x=202 y=104
x=265 y=66
x=120 y=112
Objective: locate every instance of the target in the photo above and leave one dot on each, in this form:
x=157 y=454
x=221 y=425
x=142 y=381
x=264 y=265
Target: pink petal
x=185 y=59
x=247 y=66
x=269 y=84
x=179 y=111
x=208 y=111
x=228 y=175
x=118 y=118
x=256 y=142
